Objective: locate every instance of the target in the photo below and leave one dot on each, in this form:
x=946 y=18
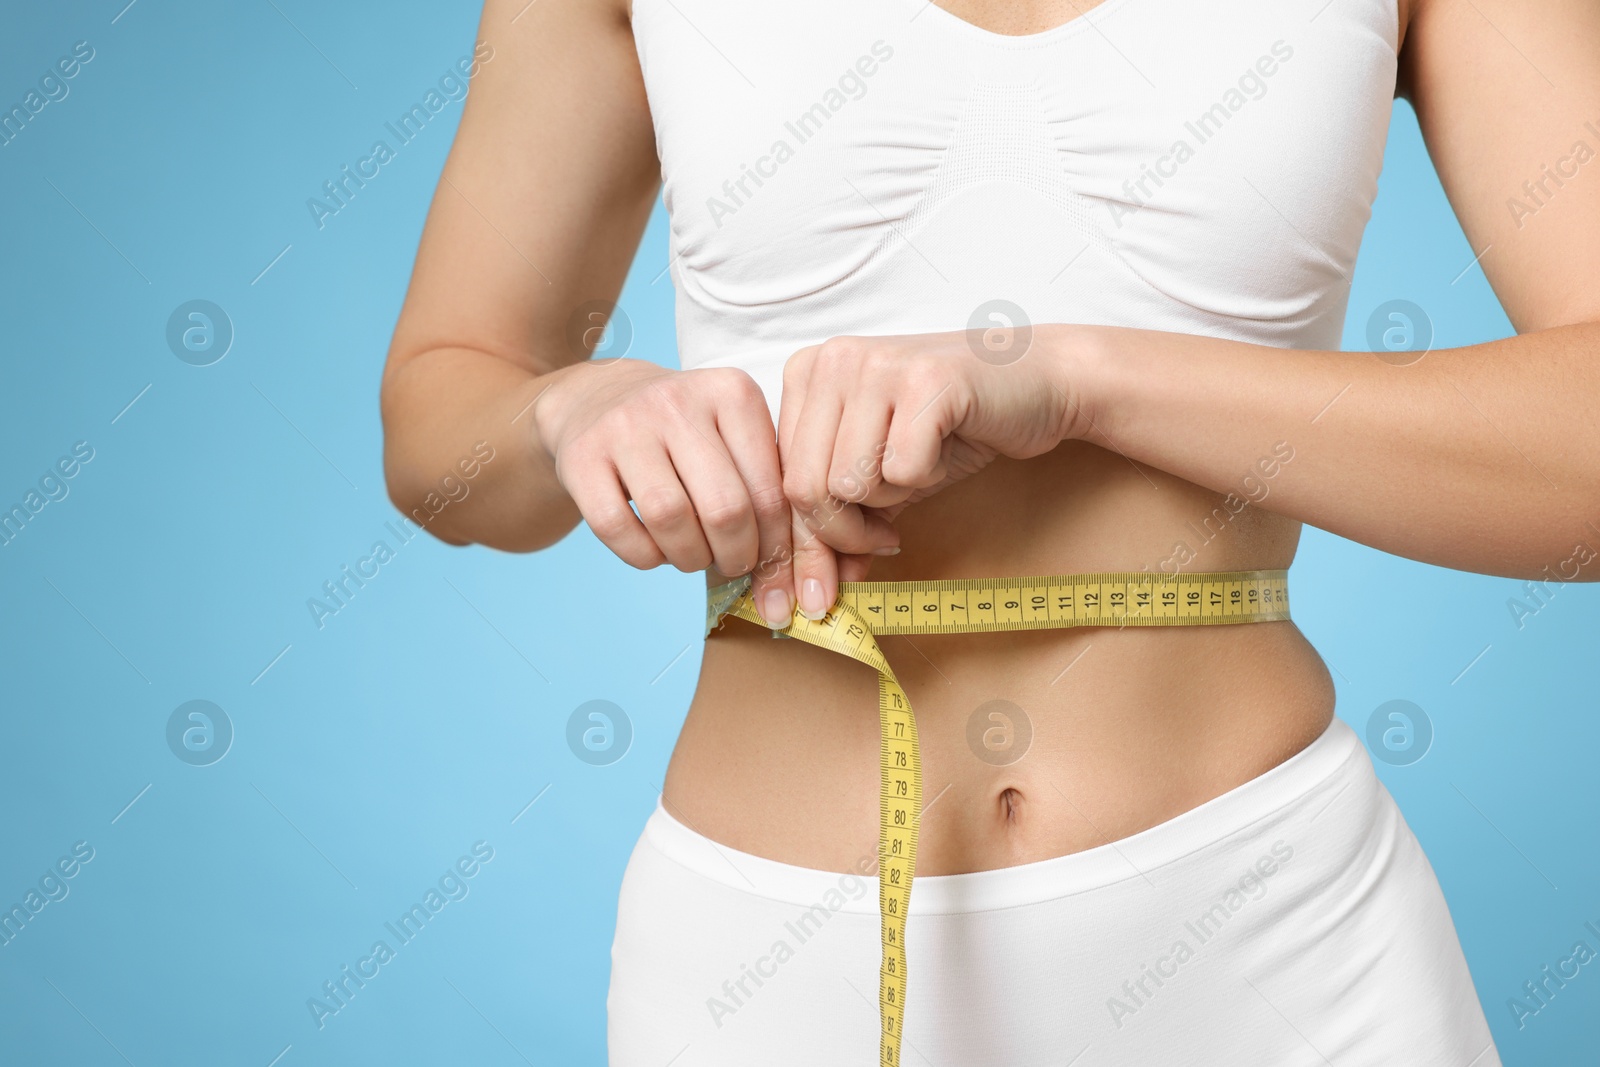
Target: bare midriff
x=1130 y=727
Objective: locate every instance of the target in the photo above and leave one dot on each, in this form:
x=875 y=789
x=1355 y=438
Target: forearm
x=442 y=411
x=1484 y=458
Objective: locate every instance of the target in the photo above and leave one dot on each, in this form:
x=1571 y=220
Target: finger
x=856 y=467
x=846 y=527
x=816 y=572
x=809 y=452
x=745 y=426
x=596 y=488
x=717 y=494
x=664 y=506
x=916 y=451
x=854 y=567
x=796 y=376
x=815 y=422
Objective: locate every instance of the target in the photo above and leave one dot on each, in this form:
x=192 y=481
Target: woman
x=989 y=289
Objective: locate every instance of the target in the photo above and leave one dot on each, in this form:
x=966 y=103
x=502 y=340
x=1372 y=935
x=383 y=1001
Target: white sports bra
x=882 y=166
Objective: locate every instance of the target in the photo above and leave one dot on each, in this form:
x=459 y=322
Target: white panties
x=1291 y=921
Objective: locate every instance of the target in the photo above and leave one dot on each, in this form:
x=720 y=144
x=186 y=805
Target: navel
x=1010 y=804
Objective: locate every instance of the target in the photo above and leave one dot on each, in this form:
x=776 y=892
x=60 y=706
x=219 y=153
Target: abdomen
x=1124 y=728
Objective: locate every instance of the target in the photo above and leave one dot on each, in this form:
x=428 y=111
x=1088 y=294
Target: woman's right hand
x=696 y=452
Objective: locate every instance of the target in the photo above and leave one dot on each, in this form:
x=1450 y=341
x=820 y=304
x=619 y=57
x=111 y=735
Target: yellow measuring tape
x=865 y=610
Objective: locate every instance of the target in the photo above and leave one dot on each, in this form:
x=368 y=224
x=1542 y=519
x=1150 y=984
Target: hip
x=1294 y=917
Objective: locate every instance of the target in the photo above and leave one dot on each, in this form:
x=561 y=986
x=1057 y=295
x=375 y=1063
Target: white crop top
x=882 y=166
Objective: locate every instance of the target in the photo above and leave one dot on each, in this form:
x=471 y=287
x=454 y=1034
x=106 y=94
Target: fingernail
x=775 y=609
x=887 y=550
x=812 y=605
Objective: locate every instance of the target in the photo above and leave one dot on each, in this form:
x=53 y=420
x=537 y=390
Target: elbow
x=459 y=508
x=413 y=497
x=1568 y=559
x=456 y=472
x=407 y=485
x=1577 y=559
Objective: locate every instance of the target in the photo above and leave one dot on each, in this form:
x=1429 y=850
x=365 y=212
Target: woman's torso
x=1183 y=165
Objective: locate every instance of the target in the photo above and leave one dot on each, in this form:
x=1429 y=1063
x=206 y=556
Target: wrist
x=558 y=395
x=1083 y=364
x=547 y=411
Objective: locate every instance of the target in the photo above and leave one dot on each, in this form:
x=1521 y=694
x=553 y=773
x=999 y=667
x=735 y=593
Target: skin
x=1097 y=451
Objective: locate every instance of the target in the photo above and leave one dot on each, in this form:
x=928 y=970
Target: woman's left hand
x=870 y=425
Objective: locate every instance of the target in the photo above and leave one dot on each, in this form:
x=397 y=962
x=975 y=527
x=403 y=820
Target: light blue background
x=425 y=716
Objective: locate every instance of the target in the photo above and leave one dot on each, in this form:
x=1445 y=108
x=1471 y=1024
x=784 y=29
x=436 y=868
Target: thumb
x=816 y=570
